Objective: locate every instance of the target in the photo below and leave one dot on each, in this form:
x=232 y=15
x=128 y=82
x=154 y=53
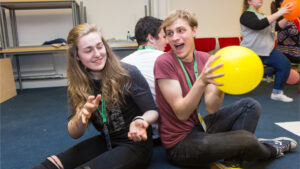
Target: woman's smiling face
x=92 y=52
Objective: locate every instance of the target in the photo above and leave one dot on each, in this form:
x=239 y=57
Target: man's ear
x=195 y=31
x=150 y=39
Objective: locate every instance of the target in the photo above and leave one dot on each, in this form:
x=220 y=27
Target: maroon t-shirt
x=171 y=129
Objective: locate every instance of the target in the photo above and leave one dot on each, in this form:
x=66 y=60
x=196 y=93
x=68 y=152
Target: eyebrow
x=179 y=27
x=99 y=43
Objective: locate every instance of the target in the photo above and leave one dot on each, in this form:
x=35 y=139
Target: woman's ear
x=76 y=55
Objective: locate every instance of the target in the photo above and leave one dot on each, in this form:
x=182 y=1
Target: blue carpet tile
x=33 y=126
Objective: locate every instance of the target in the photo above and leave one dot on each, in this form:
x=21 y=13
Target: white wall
x=115 y=17
x=38 y=26
x=216 y=18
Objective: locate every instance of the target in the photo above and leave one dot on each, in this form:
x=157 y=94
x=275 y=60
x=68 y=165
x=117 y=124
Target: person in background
x=258 y=34
x=151 y=44
x=183 y=77
x=114 y=97
x=288 y=37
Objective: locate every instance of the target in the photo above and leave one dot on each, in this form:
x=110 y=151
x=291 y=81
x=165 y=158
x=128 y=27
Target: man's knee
x=247 y=139
x=254 y=105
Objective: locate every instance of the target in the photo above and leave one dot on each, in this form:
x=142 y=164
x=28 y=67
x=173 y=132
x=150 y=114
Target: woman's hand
x=206 y=75
x=286 y=8
x=78 y=124
x=89 y=107
x=138 y=130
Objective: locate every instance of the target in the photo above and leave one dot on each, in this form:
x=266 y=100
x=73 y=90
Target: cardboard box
x=7 y=82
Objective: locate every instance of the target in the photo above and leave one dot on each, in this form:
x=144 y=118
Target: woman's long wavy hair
x=80 y=83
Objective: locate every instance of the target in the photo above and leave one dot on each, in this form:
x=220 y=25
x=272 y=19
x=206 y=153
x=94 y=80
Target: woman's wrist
x=78 y=121
x=138 y=118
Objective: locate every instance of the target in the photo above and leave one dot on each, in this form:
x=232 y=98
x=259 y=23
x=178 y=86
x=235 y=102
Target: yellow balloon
x=242 y=67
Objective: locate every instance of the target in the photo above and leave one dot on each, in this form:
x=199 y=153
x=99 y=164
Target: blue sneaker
x=281 y=144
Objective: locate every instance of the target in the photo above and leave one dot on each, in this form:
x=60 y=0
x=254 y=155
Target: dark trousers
x=93 y=154
x=229 y=136
x=282 y=67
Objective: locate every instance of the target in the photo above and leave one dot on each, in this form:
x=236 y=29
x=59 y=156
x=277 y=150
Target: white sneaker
x=281 y=97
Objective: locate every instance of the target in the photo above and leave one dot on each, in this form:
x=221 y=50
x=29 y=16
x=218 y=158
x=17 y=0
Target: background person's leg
x=282 y=66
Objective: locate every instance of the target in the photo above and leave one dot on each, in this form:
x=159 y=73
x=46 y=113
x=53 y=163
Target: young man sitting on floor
x=183 y=77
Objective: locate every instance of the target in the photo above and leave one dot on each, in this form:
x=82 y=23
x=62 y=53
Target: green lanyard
x=145 y=47
x=190 y=85
x=102 y=113
x=186 y=74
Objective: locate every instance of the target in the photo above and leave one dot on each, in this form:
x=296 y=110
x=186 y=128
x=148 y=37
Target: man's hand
x=207 y=76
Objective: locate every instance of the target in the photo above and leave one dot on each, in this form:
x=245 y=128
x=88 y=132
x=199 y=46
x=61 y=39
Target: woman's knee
x=56 y=161
x=283 y=62
x=285 y=66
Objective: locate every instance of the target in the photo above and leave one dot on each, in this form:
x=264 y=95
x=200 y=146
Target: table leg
x=19 y=73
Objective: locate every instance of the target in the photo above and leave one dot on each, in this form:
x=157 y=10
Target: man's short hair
x=179 y=14
x=147 y=25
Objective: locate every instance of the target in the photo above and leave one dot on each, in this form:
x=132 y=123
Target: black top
x=250 y=20
x=137 y=101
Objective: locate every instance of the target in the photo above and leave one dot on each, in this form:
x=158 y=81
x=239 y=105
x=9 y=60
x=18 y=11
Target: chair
x=205 y=44
x=228 y=41
x=268 y=71
x=167 y=48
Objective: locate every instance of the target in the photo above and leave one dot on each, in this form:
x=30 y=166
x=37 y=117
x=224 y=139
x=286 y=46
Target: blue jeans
x=229 y=136
x=282 y=67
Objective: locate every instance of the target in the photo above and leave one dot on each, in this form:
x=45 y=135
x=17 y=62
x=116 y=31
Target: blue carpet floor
x=33 y=126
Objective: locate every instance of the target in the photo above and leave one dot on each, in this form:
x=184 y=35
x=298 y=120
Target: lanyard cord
x=145 y=47
x=102 y=113
x=251 y=10
x=190 y=84
x=186 y=74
